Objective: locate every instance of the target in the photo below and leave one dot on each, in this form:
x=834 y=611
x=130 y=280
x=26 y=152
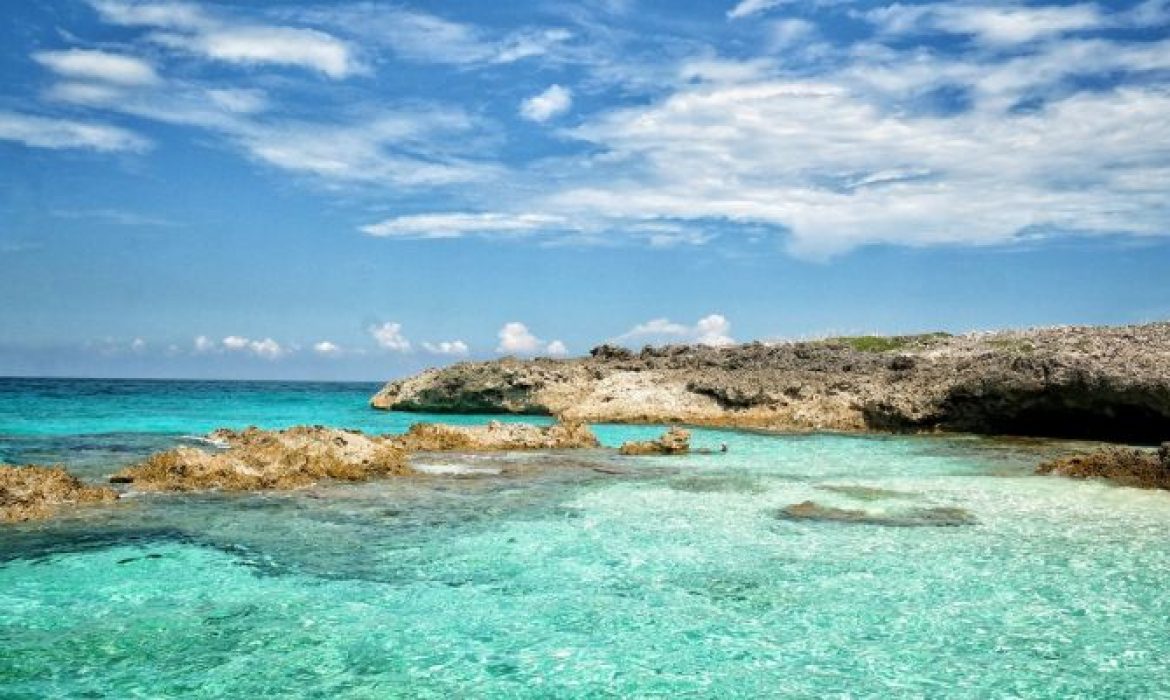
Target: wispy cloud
x=47 y=132
x=456 y=348
x=190 y=28
x=101 y=66
x=459 y=224
x=426 y=38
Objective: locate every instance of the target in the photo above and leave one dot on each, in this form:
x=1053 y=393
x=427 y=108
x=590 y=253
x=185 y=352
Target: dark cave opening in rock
x=1061 y=412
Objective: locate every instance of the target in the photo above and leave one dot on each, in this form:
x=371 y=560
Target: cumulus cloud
x=266 y=348
x=389 y=337
x=327 y=348
x=81 y=64
x=45 y=132
x=553 y=102
x=189 y=28
x=451 y=347
x=713 y=329
x=516 y=339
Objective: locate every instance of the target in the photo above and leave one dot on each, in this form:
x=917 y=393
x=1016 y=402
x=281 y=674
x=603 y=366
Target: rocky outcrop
x=34 y=492
x=258 y=460
x=1086 y=382
x=434 y=437
x=675 y=441
x=263 y=459
x=1124 y=466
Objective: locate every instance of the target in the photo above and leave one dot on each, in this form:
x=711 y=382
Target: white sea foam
x=219 y=444
x=452 y=469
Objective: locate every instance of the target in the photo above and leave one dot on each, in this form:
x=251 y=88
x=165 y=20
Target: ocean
x=581 y=574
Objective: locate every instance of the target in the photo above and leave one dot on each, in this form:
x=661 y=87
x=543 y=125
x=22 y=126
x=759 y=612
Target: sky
x=359 y=190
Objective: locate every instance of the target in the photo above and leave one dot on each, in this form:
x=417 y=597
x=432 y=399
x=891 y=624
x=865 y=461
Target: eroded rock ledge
x=1121 y=465
x=1106 y=383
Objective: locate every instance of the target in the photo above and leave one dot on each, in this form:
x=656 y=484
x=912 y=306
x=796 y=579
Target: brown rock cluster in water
x=287 y=459
x=675 y=441
x=34 y=492
x=262 y=459
x=942 y=516
x=1110 y=383
x=1125 y=466
x=440 y=437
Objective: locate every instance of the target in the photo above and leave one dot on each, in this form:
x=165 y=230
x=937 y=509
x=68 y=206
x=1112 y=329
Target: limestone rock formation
x=674 y=441
x=262 y=459
x=1110 y=383
x=1121 y=465
x=432 y=437
x=34 y=492
x=256 y=460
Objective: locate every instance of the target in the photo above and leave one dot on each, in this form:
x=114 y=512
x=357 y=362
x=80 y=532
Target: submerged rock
x=942 y=516
x=262 y=459
x=34 y=492
x=675 y=441
x=1122 y=465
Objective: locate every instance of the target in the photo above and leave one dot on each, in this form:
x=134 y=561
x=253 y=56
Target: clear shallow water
x=550 y=578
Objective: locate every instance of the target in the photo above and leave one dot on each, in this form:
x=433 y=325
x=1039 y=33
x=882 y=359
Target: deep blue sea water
x=570 y=575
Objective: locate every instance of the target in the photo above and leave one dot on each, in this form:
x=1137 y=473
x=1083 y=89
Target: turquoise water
x=572 y=575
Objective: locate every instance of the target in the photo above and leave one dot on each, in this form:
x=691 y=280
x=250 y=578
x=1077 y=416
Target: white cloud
x=426 y=38
x=389 y=337
x=714 y=330
x=746 y=8
x=553 y=102
x=138 y=345
x=302 y=48
x=81 y=64
x=267 y=348
x=516 y=339
x=459 y=224
x=45 y=132
x=453 y=347
x=990 y=24
x=326 y=348
x=191 y=29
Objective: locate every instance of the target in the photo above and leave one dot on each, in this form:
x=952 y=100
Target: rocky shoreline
x=1096 y=383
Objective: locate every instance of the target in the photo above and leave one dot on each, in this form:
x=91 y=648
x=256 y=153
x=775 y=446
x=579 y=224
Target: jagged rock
x=432 y=437
x=257 y=460
x=675 y=441
x=262 y=459
x=1086 y=382
x=913 y=517
x=1121 y=465
x=34 y=492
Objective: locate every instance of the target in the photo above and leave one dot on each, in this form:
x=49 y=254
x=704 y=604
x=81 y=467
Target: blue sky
x=362 y=189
